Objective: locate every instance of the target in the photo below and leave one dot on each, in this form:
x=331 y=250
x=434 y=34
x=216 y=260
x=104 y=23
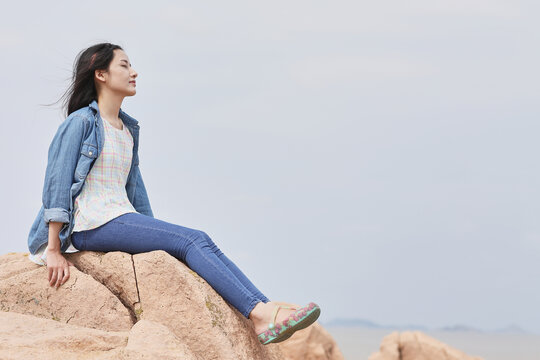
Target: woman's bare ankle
x=261 y=314
x=258 y=312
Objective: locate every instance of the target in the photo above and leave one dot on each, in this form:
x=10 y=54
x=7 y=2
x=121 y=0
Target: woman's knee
x=203 y=239
x=198 y=237
x=210 y=243
x=205 y=236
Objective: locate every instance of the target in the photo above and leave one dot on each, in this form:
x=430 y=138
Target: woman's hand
x=58 y=268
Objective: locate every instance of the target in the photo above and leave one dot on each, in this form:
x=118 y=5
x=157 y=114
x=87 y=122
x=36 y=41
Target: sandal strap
x=277 y=308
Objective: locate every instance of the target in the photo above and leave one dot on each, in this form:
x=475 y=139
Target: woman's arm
x=54 y=239
x=57 y=265
x=63 y=155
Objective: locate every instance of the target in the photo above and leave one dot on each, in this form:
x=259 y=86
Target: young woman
x=94 y=198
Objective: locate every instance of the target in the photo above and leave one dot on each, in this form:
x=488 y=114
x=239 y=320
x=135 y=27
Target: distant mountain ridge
x=368 y=324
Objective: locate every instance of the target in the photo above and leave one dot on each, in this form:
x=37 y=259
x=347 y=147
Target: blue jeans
x=137 y=233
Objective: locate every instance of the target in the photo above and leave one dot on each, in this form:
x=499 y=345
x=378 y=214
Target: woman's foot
x=261 y=315
x=277 y=327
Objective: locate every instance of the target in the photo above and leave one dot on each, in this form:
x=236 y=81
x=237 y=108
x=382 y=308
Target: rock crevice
x=114 y=274
x=135 y=277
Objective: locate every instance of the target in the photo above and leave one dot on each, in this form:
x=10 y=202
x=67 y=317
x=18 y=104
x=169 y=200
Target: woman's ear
x=100 y=75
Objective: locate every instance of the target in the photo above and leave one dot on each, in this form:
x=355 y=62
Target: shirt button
x=90 y=153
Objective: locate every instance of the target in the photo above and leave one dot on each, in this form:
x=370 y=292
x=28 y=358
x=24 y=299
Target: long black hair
x=82 y=90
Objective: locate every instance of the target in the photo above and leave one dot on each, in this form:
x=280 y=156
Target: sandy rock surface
x=121 y=306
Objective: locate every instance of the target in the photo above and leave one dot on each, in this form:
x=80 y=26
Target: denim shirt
x=72 y=153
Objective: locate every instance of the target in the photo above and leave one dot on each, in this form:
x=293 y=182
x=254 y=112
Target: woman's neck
x=109 y=108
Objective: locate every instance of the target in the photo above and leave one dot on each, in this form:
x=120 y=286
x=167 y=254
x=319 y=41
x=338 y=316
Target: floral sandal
x=300 y=319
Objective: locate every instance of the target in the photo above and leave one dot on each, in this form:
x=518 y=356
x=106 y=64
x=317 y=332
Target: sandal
x=300 y=319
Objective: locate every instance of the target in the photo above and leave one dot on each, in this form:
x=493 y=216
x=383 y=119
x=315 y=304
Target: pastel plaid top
x=103 y=196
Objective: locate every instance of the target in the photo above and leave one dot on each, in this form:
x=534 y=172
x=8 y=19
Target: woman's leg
x=235 y=270
x=136 y=233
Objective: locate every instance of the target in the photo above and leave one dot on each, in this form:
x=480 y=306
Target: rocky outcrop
x=121 y=306
x=81 y=301
x=313 y=343
x=30 y=337
x=415 y=345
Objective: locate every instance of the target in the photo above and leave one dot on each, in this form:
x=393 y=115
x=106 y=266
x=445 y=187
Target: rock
x=312 y=343
x=116 y=271
x=389 y=348
x=80 y=301
x=415 y=345
x=150 y=340
x=25 y=337
x=15 y=263
x=121 y=306
x=184 y=302
x=48 y=339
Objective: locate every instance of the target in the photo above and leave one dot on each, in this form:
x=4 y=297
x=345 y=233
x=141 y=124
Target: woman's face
x=120 y=77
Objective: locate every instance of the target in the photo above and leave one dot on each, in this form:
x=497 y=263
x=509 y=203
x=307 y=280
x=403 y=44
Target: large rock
x=121 y=306
x=175 y=296
x=29 y=337
x=45 y=339
x=415 y=345
x=150 y=340
x=81 y=301
x=115 y=270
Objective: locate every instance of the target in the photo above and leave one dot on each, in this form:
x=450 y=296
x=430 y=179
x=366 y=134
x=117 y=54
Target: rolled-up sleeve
x=61 y=163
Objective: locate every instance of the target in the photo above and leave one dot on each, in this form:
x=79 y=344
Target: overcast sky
x=378 y=158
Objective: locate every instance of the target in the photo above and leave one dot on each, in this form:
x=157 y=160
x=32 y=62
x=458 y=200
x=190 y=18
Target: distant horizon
x=369 y=324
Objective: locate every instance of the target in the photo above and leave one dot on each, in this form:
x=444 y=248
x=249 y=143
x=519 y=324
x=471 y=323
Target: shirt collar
x=128 y=120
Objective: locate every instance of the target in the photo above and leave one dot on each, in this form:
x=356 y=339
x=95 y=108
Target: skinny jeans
x=135 y=233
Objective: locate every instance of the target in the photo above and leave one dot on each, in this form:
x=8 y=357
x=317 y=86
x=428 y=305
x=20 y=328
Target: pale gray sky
x=380 y=158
